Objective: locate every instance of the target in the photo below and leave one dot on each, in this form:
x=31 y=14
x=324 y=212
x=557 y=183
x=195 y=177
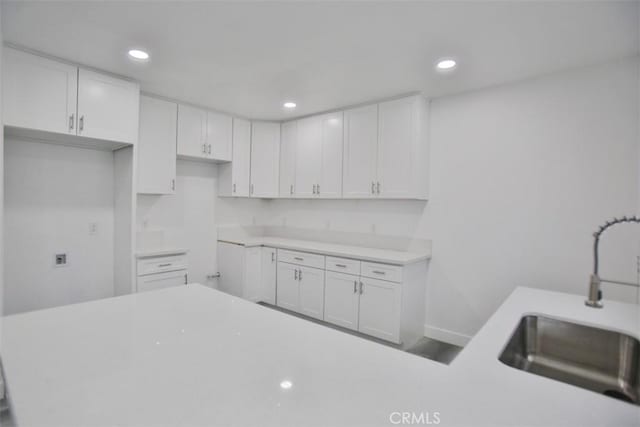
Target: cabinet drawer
x=161 y=264
x=301 y=258
x=151 y=282
x=392 y=273
x=343 y=265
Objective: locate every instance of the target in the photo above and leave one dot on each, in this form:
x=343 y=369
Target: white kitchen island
x=193 y=356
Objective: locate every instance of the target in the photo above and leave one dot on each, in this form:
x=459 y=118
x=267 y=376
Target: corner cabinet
x=157 y=146
x=234 y=177
x=249 y=273
x=44 y=95
x=204 y=135
x=265 y=159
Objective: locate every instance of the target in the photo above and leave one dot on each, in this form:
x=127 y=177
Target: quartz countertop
x=195 y=356
x=388 y=256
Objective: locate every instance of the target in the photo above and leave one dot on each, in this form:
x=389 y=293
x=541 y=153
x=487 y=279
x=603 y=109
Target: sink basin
x=595 y=359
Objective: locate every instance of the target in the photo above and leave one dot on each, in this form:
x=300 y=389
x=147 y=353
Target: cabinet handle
x=210 y=153
x=341 y=265
x=360 y=288
x=317 y=188
x=314 y=189
x=273 y=256
x=81 y=124
x=165 y=265
x=355 y=286
x=204 y=148
x=378 y=187
x=295 y=274
x=71 y=121
x=373 y=188
x=379 y=272
x=299 y=274
x=251 y=188
x=173 y=184
x=234 y=188
x=185 y=278
x=291 y=189
x=297 y=258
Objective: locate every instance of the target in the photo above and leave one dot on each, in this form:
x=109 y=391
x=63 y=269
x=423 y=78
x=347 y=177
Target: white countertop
x=388 y=256
x=194 y=356
x=147 y=253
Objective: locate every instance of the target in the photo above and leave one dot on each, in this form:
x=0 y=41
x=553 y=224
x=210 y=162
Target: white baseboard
x=446 y=335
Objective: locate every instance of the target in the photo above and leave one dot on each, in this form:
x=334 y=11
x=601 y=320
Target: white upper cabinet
x=204 y=135
x=39 y=93
x=288 y=142
x=192 y=132
x=330 y=182
x=219 y=136
x=157 y=146
x=108 y=107
x=402 y=149
x=360 y=152
x=308 y=156
x=265 y=159
x=233 y=178
x=44 y=95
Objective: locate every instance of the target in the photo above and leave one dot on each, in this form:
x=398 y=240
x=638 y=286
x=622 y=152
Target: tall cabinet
x=234 y=177
x=157 y=146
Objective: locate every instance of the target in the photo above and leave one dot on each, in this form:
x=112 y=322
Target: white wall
x=186 y=219
x=52 y=194
x=521 y=175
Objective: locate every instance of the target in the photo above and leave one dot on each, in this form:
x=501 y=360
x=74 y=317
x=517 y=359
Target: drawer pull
x=379 y=272
x=164 y=265
x=298 y=258
x=355 y=286
x=341 y=265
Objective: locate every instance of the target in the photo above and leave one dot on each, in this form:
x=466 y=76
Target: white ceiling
x=248 y=57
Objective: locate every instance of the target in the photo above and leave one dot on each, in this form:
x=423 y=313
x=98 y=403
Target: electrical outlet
x=60 y=260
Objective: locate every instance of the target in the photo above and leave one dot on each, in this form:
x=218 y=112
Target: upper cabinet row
x=44 y=95
x=376 y=151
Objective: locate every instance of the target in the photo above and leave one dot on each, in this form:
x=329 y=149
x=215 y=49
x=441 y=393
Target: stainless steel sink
x=595 y=359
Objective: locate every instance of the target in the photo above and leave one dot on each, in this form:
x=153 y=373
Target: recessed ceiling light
x=446 y=64
x=138 y=54
x=289 y=104
x=286 y=384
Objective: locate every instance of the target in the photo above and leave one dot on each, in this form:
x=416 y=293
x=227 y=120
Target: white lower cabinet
x=379 y=314
x=153 y=282
x=269 y=274
x=288 y=287
x=162 y=271
x=311 y=292
x=341 y=300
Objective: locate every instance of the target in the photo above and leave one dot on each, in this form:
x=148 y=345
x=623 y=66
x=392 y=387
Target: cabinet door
x=311 y=292
x=219 y=135
x=231 y=266
x=308 y=156
x=157 y=146
x=153 y=282
x=252 y=280
x=38 y=93
x=265 y=159
x=269 y=268
x=341 y=300
x=108 y=107
x=192 y=131
x=360 y=152
x=241 y=157
x=330 y=183
x=288 y=287
x=288 y=158
x=380 y=309
x=397 y=129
